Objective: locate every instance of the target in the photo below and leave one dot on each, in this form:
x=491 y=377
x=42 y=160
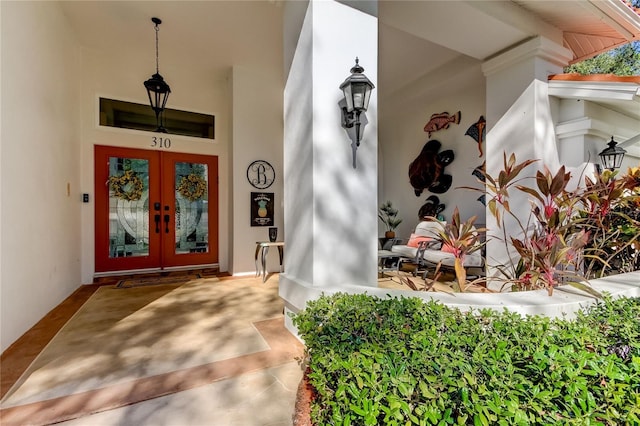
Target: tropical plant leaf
x=461 y=274
x=542 y=183
x=559 y=182
x=531 y=192
x=586 y=288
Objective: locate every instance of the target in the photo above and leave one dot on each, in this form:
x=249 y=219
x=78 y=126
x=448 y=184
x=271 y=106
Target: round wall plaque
x=260 y=174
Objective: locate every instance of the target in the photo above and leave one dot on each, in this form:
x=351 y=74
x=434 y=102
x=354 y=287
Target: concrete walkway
x=252 y=387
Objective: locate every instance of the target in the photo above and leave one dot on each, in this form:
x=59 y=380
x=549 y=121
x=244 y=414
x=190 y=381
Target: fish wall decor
x=441 y=121
x=479 y=171
x=478 y=132
x=427 y=170
x=431 y=208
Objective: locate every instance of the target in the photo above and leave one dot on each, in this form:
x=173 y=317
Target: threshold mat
x=170 y=279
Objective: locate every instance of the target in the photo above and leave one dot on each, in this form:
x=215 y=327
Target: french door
x=154 y=209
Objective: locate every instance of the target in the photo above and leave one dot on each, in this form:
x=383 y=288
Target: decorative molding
x=583 y=126
x=539 y=47
x=596 y=90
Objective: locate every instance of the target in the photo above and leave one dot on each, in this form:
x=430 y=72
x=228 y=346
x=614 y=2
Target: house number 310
x=160 y=143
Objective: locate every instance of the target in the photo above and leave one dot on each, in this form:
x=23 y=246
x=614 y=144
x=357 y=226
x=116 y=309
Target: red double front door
x=154 y=209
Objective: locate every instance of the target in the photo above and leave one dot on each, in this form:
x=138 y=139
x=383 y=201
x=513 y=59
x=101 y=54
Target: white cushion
x=429 y=228
x=405 y=251
x=436 y=256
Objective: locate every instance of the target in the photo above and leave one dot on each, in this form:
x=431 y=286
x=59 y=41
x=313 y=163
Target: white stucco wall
x=330 y=205
x=39 y=168
x=298 y=158
x=402 y=137
x=345 y=196
x=257 y=135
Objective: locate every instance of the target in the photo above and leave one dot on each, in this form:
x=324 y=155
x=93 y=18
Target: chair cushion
x=429 y=231
x=446 y=248
x=428 y=228
x=436 y=256
x=405 y=250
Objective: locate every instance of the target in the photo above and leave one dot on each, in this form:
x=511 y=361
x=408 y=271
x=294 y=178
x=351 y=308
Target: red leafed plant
x=462 y=238
x=564 y=238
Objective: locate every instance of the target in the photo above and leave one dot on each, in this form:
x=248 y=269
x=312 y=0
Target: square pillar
x=330 y=199
x=519 y=121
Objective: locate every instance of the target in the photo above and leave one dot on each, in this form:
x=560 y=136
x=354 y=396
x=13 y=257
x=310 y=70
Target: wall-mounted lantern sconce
x=157 y=89
x=611 y=157
x=357 y=91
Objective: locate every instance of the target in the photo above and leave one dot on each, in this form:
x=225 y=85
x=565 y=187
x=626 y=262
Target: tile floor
x=252 y=389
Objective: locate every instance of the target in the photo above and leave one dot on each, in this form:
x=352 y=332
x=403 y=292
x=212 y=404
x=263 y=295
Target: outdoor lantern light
x=357 y=91
x=611 y=157
x=157 y=89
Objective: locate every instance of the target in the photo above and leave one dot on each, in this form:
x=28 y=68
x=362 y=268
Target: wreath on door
x=128 y=186
x=192 y=187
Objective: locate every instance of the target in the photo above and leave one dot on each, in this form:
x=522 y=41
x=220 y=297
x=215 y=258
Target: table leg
x=281 y=253
x=265 y=251
x=256 y=259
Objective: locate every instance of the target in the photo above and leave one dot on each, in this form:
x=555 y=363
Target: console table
x=262 y=249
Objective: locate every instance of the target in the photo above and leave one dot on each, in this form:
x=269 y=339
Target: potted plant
x=389 y=216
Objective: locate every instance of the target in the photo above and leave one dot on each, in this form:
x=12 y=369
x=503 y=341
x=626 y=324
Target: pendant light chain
x=157 y=89
x=157 y=61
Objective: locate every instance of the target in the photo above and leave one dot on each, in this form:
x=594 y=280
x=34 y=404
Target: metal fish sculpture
x=427 y=170
x=479 y=171
x=441 y=121
x=431 y=208
x=478 y=132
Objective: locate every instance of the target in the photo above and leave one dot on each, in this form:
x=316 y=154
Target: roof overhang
x=621 y=94
x=589 y=27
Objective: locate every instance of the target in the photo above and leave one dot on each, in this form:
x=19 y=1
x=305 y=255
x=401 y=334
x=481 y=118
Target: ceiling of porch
x=215 y=35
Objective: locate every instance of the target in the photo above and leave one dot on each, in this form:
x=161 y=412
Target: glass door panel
x=127 y=183
x=128 y=207
x=192 y=199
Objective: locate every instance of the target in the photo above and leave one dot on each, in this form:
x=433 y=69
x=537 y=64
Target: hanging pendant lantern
x=157 y=89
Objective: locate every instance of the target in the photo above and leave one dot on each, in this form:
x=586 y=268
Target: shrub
x=400 y=361
x=569 y=236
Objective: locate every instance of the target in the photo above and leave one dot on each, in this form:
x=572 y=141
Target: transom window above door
x=130 y=115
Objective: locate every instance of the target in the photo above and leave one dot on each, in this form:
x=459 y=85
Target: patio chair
x=426 y=252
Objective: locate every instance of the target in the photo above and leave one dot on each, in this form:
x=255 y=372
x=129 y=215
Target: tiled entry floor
x=254 y=388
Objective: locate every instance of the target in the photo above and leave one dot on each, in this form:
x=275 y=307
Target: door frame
x=161 y=189
x=168 y=257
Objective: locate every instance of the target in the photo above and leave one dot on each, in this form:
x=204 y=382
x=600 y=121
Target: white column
x=519 y=121
x=330 y=206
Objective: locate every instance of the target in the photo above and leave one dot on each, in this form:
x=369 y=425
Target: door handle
x=156 y=219
x=166 y=223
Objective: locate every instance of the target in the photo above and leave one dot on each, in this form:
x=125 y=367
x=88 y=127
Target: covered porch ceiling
x=484 y=29
x=416 y=37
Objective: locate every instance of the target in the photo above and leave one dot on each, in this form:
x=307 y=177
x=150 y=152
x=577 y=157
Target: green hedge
x=400 y=361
